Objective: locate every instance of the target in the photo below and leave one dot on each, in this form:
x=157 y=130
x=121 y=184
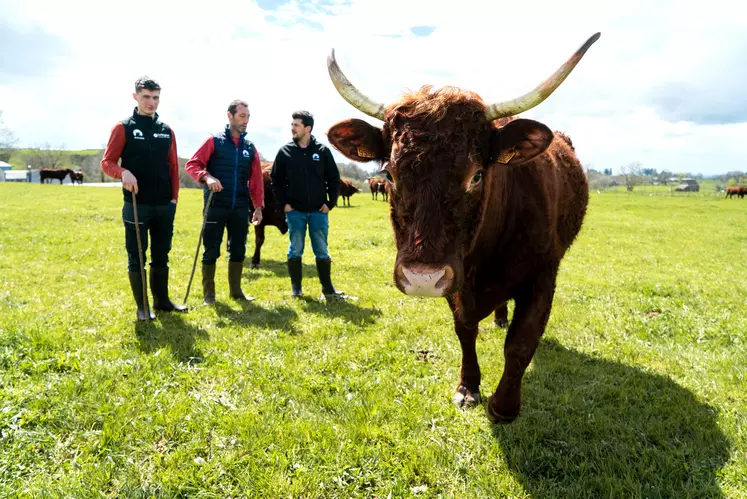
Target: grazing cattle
x=347 y=189
x=76 y=176
x=483 y=207
x=384 y=189
x=373 y=184
x=273 y=215
x=49 y=174
x=736 y=191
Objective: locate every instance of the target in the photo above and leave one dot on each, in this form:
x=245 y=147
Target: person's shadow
x=597 y=428
x=280 y=318
x=174 y=332
x=345 y=309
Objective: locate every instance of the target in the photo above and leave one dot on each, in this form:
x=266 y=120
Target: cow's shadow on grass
x=596 y=428
x=278 y=318
x=345 y=309
x=174 y=331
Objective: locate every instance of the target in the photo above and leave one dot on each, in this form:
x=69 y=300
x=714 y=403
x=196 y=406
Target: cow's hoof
x=465 y=398
x=503 y=416
x=501 y=323
x=254 y=265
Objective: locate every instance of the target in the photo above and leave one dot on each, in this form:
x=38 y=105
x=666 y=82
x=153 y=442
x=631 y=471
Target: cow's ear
x=357 y=140
x=519 y=141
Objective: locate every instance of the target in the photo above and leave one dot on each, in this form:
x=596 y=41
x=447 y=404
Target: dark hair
x=233 y=106
x=306 y=118
x=146 y=83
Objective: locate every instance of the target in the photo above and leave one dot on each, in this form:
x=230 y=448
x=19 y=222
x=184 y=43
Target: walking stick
x=140 y=256
x=199 y=241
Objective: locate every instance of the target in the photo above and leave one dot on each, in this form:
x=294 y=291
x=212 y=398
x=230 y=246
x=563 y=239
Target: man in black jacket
x=306 y=182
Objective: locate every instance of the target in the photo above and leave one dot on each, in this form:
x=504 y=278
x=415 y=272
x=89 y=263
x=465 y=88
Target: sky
x=664 y=85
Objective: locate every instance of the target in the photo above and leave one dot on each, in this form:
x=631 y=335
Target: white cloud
x=653 y=68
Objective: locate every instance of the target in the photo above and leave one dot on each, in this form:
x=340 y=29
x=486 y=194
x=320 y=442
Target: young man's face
x=147 y=101
x=240 y=120
x=299 y=131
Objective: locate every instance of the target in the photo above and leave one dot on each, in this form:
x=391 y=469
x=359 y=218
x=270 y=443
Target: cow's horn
x=543 y=90
x=352 y=94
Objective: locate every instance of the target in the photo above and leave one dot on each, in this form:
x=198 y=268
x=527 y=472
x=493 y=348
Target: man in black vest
x=150 y=172
x=306 y=181
x=229 y=165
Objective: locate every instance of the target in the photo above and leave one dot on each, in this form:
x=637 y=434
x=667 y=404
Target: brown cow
x=736 y=191
x=49 y=174
x=347 y=189
x=483 y=206
x=384 y=189
x=373 y=184
x=273 y=215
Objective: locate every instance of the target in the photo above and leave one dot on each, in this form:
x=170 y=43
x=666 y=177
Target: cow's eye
x=476 y=179
x=389 y=176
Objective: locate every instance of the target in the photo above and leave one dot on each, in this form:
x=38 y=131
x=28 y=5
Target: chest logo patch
x=315 y=157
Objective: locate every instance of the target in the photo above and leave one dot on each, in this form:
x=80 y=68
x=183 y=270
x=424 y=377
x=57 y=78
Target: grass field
x=637 y=390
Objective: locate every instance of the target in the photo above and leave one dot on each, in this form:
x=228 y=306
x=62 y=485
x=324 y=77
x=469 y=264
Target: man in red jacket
x=228 y=164
x=150 y=171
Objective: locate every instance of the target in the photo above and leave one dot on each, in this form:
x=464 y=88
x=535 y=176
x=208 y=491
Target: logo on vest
x=315 y=157
x=161 y=135
x=246 y=153
x=138 y=134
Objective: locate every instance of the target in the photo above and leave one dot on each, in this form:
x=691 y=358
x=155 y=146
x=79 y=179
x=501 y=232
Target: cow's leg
x=500 y=318
x=533 y=305
x=259 y=240
x=468 y=390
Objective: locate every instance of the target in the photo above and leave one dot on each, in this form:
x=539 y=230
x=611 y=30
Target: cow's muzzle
x=424 y=280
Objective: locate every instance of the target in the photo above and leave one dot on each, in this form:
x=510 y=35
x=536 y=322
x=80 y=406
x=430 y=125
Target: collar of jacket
x=140 y=119
x=227 y=131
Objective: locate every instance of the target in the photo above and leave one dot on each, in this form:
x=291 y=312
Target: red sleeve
x=256 y=182
x=196 y=167
x=174 y=168
x=113 y=152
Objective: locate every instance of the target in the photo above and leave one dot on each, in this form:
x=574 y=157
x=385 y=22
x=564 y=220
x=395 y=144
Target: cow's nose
x=425 y=280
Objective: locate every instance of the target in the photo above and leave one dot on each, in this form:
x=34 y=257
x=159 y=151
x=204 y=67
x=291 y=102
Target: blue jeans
x=318 y=224
x=156 y=221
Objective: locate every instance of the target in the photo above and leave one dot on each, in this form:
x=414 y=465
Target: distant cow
x=736 y=191
x=347 y=189
x=384 y=188
x=483 y=207
x=373 y=184
x=273 y=214
x=49 y=174
x=76 y=176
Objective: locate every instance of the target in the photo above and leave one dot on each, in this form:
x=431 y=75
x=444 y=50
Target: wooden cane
x=140 y=256
x=199 y=241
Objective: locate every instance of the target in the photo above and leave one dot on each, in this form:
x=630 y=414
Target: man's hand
x=173 y=201
x=213 y=183
x=129 y=182
x=288 y=208
x=324 y=209
x=257 y=216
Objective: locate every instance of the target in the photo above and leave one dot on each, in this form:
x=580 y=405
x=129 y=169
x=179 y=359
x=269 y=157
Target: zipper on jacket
x=306 y=171
x=235 y=173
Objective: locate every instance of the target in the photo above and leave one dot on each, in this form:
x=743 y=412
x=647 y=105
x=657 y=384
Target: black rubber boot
x=159 y=286
x=295 y=269
x=136 y=283
x=324 y=269
x=208 y=283
x=234 y=281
